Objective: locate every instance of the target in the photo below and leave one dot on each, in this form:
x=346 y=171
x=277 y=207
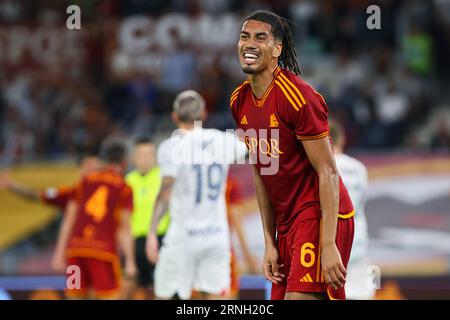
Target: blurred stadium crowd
x=389 y=87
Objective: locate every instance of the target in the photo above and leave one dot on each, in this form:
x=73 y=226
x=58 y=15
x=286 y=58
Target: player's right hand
x=151 y=248
x=271 y=268
x=130 y=269
x=5 y=180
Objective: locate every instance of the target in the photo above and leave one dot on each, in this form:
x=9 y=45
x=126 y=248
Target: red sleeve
x=311 y=121
x=58 y=196
x=126 y=198
x=305 y=110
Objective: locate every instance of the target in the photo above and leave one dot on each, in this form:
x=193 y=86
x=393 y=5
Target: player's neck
x=113 y=167
x=261 y=81
x=144 y=172
x=186 y=126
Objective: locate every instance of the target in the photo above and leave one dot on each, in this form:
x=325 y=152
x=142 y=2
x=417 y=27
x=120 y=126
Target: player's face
x=257 y=47
x=144 y=157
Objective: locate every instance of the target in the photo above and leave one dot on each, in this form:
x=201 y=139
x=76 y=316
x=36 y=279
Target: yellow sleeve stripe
x=235 y=93
x=232 y=101
x=290 y=91
x=237 y=89
x=293 y=87
x=346 y=216
x=287 y=95
x=316 y=137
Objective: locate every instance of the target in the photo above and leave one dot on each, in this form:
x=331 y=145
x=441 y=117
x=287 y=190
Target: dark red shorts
x=300 y=252
x=103 y=277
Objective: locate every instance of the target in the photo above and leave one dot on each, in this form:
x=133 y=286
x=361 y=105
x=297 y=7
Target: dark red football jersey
x=101 y=196
x=273 y=128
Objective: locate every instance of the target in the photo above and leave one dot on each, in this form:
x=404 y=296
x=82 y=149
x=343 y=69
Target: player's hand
x=130 y=269
x=151 y=248
x=332 y=266
x=59 y=262
x=271 y=268
x=5 y=180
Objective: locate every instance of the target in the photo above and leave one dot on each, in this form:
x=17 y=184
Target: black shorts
x=145 y=268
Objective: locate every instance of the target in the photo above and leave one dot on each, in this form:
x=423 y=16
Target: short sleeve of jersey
x=126 y=198
x=58 y=196
x=311 y=121
x=165 y=160
x=305 y=110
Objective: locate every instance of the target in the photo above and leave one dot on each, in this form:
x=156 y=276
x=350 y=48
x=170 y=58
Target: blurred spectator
x=381 y=84
x=179 y=71
x=417 y=51
x=440 y=140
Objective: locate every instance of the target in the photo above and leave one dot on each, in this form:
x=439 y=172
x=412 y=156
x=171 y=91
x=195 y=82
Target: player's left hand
x=332 y=267
x=151 y=248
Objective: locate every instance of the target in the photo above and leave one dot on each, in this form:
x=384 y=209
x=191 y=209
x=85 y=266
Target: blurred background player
x=58 y=196
x=354 y=175
x=233 y=196
x=194 y=162
x=55 y=196
x=145 y=181
x=96 y=219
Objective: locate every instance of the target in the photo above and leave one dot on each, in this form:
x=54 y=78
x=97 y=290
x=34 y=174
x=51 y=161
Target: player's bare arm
x=126 y=243
x=236 y=224
x=6 y=182
x=161 y=206
x=68 y=220
x=271 y=268
x=320 y=155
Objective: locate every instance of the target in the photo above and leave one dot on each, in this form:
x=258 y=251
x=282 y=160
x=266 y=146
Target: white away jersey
x=199 y=160
x=354 y=176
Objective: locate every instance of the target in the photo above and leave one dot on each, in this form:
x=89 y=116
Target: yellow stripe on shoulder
x=286 y=94
x=293 y=86
x=293 y=95
x=239 y=87
x=235 y=93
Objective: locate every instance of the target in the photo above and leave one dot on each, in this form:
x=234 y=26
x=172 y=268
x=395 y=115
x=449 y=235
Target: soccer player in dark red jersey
x=96 y=224
x=55 y=196
x=307 y=215
x=234 y=199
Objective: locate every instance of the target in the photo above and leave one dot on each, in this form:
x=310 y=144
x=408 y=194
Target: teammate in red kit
x=55 y=196
x=97 y=215
x=234 y=199
x=306 y=212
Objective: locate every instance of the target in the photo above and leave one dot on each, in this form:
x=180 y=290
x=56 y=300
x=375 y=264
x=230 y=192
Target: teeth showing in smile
x=250 y=58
